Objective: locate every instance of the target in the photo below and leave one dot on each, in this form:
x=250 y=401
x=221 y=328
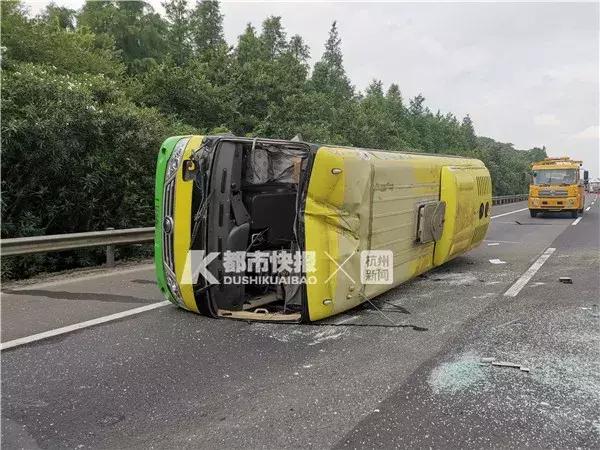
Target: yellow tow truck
x=556 y=186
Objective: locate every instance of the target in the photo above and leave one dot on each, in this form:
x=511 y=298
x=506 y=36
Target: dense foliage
x=88 y=95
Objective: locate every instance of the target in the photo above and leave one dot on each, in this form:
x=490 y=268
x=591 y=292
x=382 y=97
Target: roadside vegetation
x=89 y=95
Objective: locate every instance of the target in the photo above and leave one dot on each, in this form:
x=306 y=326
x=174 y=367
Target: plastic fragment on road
x=497 y=261
x=565 y=280
x=505 y=364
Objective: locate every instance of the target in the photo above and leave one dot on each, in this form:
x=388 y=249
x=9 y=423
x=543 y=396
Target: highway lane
x=551 y=328
x=35 y=306
x=169 y=378
x=38 y=305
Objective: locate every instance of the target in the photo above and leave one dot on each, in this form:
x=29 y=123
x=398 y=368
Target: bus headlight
x=174 y=288
x=175 y=159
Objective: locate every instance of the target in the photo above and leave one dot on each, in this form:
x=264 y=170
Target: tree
x=468 y=132
x=298 y=49
x=329 y=75
x=136 y=29
x=178 y=17
x=273 y=37
x=207 y=26
x=43 y=42
x=59 y=17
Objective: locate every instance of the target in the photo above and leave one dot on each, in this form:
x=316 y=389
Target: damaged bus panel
x=261 y=229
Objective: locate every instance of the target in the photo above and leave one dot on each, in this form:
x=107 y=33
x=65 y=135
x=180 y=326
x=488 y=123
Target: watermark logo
x=274 y=267
x=282 y=267
x=376 y=267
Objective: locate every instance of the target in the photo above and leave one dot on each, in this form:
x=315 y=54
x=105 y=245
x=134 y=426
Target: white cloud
x=591 y=133
x=546 y=120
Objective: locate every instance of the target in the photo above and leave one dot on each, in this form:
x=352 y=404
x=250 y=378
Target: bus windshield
x=555 y=176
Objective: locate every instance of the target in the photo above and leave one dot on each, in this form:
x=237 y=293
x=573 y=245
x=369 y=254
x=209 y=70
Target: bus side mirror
x=586 y=175
x=190 y=170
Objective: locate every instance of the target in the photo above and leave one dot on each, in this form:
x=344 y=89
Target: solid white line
x=512 y=212
x=524 y=279
x=576 y=221
x=588 y=208
x=79 y=326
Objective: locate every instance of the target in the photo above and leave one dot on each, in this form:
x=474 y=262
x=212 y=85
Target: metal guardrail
x=502 y=199
x=72 y=241
x=110 y=238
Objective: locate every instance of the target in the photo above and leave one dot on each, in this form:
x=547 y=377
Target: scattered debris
x=505 y=364
x=565 y=280
x=497 y=261
x=488 y=360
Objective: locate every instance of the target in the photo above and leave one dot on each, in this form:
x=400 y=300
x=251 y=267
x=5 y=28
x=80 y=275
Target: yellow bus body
x=425 y=209
x=372 y=204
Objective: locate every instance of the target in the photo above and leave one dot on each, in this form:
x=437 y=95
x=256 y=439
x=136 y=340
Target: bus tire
x=574 y=214
x=533 y=212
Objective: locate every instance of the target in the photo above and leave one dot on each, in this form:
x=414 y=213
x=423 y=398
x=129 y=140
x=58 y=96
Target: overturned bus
x=289 y=231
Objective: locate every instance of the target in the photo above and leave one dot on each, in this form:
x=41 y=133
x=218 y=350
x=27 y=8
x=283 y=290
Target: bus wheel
x=532 y=212
x=574 y=214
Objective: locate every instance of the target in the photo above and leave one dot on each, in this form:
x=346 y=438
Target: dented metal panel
x=372 y=202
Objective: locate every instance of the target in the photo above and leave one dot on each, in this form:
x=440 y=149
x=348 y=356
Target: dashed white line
x=79 y=326
x=588 y=208
x=576 y=221
x=524 y=279
x=511 y=212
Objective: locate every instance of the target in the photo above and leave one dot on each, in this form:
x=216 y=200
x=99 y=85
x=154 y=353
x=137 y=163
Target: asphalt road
x=166 y=378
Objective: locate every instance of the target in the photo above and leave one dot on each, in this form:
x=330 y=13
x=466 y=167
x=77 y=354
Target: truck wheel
x=574 y=214
x=532 y=212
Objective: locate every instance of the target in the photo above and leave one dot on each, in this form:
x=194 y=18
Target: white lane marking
x=497 y=261
x=79 y=326
x=493 y=244
x=588 y=208
x=93 y=276
x=524 y=279
x=511 y=212
x=576 y=221
x=502 y=242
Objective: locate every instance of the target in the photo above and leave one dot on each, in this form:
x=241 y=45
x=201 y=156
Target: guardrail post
x=110 y=253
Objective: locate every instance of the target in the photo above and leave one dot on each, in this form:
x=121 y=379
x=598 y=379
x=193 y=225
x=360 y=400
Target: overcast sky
x=526 y=73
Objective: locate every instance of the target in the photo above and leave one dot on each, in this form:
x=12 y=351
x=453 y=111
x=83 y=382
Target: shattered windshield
x=555 y=176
